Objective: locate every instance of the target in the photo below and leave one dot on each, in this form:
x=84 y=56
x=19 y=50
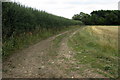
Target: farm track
x=39 y=61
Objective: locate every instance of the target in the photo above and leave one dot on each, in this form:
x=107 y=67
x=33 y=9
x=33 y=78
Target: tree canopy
x=100 y=17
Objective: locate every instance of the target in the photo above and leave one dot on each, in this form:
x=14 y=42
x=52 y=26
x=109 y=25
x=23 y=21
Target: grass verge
x=97 y=47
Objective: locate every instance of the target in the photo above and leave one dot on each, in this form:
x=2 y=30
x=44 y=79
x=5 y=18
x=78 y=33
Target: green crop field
x=38 y=42
x=23 y=26
x=96 y=47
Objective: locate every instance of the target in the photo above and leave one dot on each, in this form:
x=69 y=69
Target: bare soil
x=37 y=61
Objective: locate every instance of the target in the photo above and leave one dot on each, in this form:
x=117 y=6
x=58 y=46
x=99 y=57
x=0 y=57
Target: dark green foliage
x=20 y=21
x=101 y=17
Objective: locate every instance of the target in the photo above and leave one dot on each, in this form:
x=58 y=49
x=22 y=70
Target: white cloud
x=67 y=8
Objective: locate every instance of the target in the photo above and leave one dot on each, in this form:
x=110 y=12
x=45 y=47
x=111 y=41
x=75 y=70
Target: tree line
x=100 y=17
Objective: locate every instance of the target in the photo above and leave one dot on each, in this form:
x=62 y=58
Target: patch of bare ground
x=67 y=62
x=36 y=62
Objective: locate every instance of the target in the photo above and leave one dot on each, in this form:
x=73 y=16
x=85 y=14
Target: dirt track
x=44 y=60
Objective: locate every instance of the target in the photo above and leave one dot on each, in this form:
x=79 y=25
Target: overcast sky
x=67 y=8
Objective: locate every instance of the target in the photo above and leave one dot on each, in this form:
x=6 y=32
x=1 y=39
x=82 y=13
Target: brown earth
x=46 y=60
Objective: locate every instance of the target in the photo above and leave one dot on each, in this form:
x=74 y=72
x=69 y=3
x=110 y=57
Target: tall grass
x=98 y=48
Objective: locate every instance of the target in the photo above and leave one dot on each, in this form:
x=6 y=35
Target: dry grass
x=107 y=30
x=107 y=34
x=99 y=45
